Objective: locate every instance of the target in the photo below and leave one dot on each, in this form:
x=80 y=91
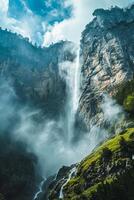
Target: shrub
x=124 y=90
x=123 y=144
x=1 y=197
x=106 y=154
x=129 y=103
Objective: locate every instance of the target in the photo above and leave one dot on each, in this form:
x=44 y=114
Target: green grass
x=112 y=144
x=91 y=190
x=74 y=190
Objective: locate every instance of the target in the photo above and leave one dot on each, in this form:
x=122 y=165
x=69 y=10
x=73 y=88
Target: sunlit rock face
x=107 y=58
x=34 y=71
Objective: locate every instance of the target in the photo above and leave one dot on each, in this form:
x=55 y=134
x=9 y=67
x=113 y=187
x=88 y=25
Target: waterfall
x=71 y=74
x=72 y=171
x=76 y=91
x=40 y=190
x=69 y=71
x=74 y=96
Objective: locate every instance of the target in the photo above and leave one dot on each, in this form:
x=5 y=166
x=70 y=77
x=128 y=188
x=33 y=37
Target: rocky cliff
x=34 y=71
x=107 y=59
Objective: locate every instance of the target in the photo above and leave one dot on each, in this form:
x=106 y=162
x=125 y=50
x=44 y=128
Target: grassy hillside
x=108 y=173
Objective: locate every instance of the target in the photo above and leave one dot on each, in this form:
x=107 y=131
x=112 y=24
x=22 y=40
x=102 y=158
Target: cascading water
x=76 y=91
x=40 y=190
x=72 y=171
x=71 y=73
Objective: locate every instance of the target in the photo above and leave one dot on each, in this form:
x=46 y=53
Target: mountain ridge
x=107 y=73
x=34 y=71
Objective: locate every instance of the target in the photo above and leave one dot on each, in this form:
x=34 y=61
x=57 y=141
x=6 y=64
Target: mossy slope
x=108 y=173
x=125 y=96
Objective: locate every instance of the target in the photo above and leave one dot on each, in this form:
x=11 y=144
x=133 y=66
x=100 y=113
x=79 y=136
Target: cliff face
x=107 y=59
x=34 y=71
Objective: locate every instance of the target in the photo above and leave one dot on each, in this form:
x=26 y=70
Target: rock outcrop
x=105 y=174
x=107 y=59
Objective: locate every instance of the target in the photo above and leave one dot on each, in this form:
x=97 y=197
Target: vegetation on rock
x=2 y=197
x=129 y=103
x=125 y=96
x=110 y=178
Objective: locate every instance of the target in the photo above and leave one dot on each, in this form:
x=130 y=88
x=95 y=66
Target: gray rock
x=107 y=60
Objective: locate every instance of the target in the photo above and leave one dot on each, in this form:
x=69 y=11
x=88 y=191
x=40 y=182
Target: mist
x=112 y=113
x=50 y=140
x=53 y=141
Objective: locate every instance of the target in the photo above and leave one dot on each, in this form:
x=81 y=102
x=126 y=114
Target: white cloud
x=70 y=29
x=4 y=6
x=30 y=25
x=33 y=26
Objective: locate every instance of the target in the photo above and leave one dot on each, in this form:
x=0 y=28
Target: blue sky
x=49 y=10
x=48 y=21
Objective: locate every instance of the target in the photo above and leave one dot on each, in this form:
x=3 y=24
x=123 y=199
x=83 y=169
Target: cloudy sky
x=48 y=21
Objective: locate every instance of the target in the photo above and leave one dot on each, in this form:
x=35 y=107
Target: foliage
x=123 y=144
x=129 y=103
x=1 y=197
x=106 y=154
x=123 y=90
x=125 y=95
x=94 y=182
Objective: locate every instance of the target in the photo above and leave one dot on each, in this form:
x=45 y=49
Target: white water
x=40 y=190
x=71 y=73
x=76 y=89
x=73 y=171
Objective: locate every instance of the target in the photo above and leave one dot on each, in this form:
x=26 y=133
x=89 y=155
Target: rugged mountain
x=34 y=71
x=107 y=70
x=107 y=59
